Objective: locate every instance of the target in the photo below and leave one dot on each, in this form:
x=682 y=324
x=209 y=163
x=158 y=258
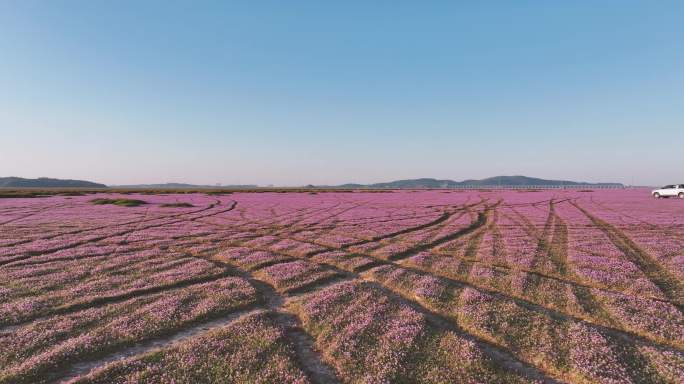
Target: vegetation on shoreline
x=119 y=202
x=177 y=205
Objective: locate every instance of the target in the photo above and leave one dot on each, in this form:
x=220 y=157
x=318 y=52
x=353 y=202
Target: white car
x=669 y=191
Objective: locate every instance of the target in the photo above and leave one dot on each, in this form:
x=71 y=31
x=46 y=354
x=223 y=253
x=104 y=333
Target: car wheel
x=681 y=195
x=656 y=195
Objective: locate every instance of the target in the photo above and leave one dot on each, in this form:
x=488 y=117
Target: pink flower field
x=396 y=286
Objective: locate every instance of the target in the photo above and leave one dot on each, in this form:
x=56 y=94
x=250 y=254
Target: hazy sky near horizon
x=298 y=92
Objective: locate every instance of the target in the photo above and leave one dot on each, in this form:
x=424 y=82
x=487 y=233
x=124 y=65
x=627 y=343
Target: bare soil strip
x=308 y=357
x=86 y=366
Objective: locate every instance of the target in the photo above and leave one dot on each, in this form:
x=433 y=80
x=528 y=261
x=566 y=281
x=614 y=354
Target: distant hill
x=417 y=183
x=181 y=186
x=45 y=182
x=503 y=181
x=524 y=180
x=423 y=183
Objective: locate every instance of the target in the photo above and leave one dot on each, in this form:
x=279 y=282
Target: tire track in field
x=670 y=285
x=552 y=313
x=441 y=219
x=364 y=241
x=445 y=216
x=72 y=370
x=543 y=251
x=553 y=246
x=628 y=341
x=500 y=354
x=37 y=212
x=273 y=226
x=137 y=221
x=272 y=232
x=656 y=227
x=423 y=309
x=533 y=204
x=69 y=370
x=434 y=233
x=308 y=215
x=479 y=222
x=309 y=358
x=294 y=333
x=84 y=367
x=133 y=222
x=336 y=214
x=137 y=248
x=620 y=333
x=103 y=237
x=153 y=266
x=569 y=278
x=347 y=226
x=511 y=269
x=27 y=262
x=360 y=242
x=558 y=253
x=475 y=242
x=278 y=229
x=360 y=222
x=296 y=213
x=115 y=298
x=505 y=357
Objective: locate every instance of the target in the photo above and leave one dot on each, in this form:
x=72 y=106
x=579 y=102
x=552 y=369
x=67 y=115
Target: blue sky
x=298 y=92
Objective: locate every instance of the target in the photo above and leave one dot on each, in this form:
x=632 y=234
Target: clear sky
x=298 y=92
